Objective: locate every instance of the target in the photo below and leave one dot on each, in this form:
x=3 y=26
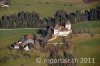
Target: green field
x=89 y=49
x=93 y=26
x=86 y=47
x=44 y=9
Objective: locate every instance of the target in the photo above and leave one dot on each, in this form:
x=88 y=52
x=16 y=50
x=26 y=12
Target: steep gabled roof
x=68 y=22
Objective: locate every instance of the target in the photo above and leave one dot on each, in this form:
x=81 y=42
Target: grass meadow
x=45 y=8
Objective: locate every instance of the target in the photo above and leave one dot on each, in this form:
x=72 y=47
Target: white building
x=63 y=30
x=5 y=6
x=26 y=48
x=16 y=46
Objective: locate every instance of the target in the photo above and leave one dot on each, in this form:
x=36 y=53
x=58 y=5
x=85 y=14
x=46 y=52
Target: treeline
x=32 y=20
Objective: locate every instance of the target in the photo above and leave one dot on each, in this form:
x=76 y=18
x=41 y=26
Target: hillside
x=45 y=8
x=24 y=17
x=85 y=45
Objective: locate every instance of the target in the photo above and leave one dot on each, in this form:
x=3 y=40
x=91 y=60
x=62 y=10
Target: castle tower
x=68 y=25
x=56 y=29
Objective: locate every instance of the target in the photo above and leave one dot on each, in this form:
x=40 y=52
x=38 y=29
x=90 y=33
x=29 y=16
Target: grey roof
x=28 y=41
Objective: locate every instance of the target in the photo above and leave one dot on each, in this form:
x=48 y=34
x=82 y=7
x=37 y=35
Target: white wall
x=68 y=26
x=56 y=31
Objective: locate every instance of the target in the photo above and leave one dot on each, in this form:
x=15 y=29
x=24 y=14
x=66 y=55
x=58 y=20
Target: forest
x=33 y=20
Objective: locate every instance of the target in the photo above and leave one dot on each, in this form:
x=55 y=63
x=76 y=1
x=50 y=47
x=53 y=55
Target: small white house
x=16 y=46
x=26 y=48
x=5 y=6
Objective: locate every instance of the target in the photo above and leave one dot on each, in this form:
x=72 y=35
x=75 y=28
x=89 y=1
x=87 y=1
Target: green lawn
x=88 y=49
x=94 y=26
x=44 y=9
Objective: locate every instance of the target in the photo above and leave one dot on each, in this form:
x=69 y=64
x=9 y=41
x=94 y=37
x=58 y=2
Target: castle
x=60 y=30
x=27 y=41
